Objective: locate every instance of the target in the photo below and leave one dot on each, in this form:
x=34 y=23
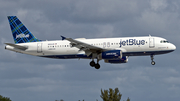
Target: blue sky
x=27 y=78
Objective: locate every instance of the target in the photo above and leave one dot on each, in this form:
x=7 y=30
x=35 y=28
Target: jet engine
x=124 y=59
x=111 y=55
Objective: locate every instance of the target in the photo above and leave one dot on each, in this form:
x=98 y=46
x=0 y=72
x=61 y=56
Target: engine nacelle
x=124 y=59
x=111 y=55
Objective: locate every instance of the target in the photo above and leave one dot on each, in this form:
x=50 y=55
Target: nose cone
x=173 y=47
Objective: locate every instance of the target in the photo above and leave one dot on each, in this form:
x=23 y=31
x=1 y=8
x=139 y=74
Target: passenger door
x=151 y=43
x=39 y=47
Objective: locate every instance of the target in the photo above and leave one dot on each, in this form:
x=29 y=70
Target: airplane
x=111 y=50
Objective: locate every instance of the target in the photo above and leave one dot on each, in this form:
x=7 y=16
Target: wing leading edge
x=89 y=49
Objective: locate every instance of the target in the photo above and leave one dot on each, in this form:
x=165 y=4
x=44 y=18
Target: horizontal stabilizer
x=17 y=46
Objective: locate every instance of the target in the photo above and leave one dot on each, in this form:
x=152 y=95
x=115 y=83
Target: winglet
x=63 y=38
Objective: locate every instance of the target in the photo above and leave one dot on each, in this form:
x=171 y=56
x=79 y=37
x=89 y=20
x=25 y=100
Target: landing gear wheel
x=152 y=58
x=97 y=66
x=153 y=63
x=92 y=63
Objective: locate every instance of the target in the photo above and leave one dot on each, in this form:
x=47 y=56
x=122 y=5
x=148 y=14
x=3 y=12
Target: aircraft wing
x=84 y=46
x=17 y=46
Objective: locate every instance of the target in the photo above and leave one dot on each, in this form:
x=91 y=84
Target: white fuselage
x=130 y=46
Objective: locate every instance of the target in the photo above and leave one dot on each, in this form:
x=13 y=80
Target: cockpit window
x=164 y=41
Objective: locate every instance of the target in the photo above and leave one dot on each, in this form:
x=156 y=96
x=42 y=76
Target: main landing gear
x=93 y=64
x=152 y=57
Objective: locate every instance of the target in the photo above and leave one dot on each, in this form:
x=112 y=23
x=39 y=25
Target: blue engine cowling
x=111 y=55
x=124 y=59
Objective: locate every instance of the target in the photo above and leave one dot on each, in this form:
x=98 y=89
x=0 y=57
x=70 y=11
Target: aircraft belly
x=72 y=56
x=144 y=53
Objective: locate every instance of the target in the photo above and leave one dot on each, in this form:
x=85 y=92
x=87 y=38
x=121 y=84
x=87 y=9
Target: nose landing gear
x=152 y=58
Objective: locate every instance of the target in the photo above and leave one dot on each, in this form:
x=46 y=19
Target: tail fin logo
x=22 y=36
x=19 y=31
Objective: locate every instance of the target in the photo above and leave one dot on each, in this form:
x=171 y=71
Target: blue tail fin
x=20 y=33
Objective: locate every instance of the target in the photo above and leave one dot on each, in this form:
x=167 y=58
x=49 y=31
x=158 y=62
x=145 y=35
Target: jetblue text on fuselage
x=131 y=42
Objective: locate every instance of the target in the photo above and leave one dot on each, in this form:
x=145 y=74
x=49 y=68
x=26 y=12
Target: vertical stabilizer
x=20 y=33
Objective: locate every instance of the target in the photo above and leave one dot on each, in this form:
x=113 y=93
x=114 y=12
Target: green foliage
x=128 y=99
x=111 y=95
x=4 y=98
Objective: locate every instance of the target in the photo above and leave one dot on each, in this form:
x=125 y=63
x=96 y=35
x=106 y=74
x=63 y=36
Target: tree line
x=106 y=95
x=4 y=98
x=109 y=95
